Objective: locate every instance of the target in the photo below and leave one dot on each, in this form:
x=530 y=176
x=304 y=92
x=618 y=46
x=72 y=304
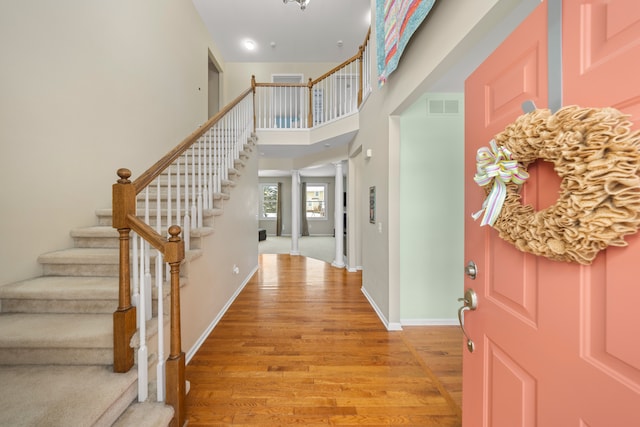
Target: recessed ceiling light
x=340 y=43
x=249 y=44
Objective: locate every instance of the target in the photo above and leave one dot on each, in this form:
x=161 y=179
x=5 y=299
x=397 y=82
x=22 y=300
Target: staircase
x=56 y=333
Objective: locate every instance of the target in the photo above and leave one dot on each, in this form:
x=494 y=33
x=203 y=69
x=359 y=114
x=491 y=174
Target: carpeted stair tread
x=56 y=330
x=63 y=396
x=146 y=414
x=81 y=256
x=62 y=288
x=95 y=231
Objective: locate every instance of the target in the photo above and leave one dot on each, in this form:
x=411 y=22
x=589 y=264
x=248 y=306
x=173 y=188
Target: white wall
x=82 y=83
x=211 y=283
x=431 y=212
x=450 y=32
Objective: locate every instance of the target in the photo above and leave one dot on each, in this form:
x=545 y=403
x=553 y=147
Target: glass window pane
x=269 y=201
x=316 y=201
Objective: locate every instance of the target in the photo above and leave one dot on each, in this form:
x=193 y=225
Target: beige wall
x=82 y=83
x=211 y=282
x=238 y=75
x=449 y=33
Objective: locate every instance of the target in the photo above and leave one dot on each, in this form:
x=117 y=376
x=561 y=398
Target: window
x=316 y=206
x=268 y=201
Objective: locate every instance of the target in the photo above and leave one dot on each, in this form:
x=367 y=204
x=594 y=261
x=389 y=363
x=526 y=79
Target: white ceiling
x=309 y=35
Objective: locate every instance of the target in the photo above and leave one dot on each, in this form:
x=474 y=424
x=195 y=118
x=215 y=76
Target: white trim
x=192 y=351
x=385 y=322
x=429 y=322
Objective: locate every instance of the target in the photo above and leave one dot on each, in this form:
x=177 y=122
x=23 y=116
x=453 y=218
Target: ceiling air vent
x=443 y=106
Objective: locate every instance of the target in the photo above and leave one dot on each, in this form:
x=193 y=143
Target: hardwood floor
x=302 y=346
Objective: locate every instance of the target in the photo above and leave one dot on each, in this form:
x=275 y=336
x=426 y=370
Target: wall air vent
x=443 y=106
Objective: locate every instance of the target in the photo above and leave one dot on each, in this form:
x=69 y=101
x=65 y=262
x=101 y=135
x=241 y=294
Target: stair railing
x=180 y=188
x=337 y=93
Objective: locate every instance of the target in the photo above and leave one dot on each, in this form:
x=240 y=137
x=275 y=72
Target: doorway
x=213 y=88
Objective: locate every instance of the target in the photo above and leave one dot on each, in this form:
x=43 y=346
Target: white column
x=338 y=213
x=295 y=211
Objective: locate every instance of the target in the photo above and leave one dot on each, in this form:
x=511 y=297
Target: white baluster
x=158 y=210
x=205 y=197
x=230 y=145
x=169 y=196
x=193 y=188
x=142 y=330
x=200 y=211
x=186 y=230
x=160 y=374
x=210 y=191
x=199 y=200
x=267 y=121
x=219 y=179
x=187 y=219
x=135 y=297
x=147 y=281
x=216 y=157
x=178 y=207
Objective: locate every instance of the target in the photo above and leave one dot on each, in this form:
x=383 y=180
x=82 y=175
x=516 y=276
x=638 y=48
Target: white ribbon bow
x=496 y=165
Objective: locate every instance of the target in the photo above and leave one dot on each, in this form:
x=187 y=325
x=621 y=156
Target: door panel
x=601 y=68
x=555 y=342
x=600 y=38
x=499 y=377
x=511 y=391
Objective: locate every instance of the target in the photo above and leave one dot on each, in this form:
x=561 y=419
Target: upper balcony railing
x=335 y=94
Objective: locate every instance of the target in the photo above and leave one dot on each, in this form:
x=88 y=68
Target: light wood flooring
x=302 y=346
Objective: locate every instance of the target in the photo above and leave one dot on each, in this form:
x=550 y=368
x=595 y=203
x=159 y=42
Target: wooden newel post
x=124 y=318
x=175 y=386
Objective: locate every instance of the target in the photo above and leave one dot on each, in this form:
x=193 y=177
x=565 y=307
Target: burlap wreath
x=597 y=156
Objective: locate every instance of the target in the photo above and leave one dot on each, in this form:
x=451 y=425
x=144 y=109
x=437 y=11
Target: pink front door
x=555 y=343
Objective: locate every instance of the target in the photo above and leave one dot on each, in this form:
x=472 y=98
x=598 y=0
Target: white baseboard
x=429 y=322
x=385 y=322
x=192 y=351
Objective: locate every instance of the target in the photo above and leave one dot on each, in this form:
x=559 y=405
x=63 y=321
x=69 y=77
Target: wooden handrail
x=361 y=50
x=336 y=68
x=281 y=85
x=154 y=171
x=366 y=38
